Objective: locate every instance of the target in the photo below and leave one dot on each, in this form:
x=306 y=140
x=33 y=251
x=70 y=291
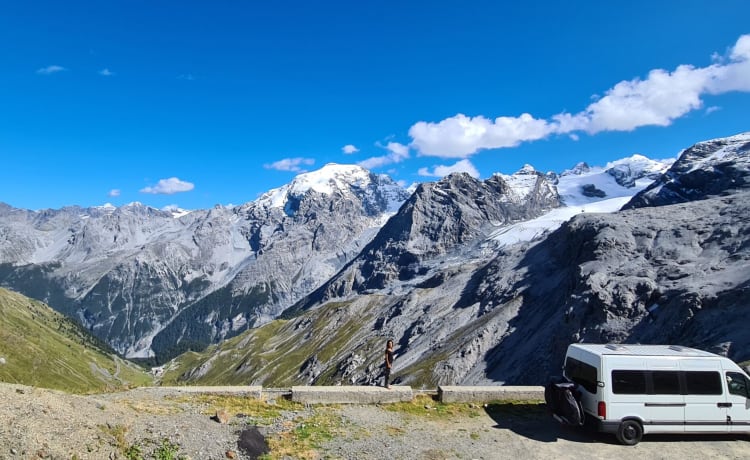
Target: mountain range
x=476 y=281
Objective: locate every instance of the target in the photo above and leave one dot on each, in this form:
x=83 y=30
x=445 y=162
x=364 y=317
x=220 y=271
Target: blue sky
x=202 y=103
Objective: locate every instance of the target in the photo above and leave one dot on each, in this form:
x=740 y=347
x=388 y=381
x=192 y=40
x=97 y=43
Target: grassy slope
x=44 y=348
x=274 y=354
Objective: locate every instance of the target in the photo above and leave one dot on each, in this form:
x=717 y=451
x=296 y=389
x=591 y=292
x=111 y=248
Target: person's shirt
x=388 y=357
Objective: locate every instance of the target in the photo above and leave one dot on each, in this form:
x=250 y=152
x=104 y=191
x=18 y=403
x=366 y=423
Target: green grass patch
x=117 y=434
x=426 y=406
x=305 y=435
x=259 y=412
x=302 y=434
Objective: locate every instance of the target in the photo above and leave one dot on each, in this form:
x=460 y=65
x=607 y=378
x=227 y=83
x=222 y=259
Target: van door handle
x=727 y=404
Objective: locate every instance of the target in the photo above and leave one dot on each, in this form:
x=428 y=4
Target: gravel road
x=38 y=423
x=497 y=433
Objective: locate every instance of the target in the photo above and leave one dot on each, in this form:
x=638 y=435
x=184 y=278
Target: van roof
x=642 y=350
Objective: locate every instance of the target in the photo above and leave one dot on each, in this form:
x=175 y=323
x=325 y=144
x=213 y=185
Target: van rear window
x=581 y=373
x=629 y=382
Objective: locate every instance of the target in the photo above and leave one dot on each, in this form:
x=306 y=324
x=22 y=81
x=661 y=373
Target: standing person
x=388 y=362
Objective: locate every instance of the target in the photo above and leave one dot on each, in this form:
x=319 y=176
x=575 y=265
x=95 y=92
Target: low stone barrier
x=350 y=394
x=254 y=391
x=376 y=395
x=483 y=394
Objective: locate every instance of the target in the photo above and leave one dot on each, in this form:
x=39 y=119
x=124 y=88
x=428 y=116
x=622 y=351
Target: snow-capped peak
x=641 y=164
x=577 y=170
x=176 y=211
x=325 y=180
x=729 y=148
x=106 y=207
x=628 y=171
x=583 y=189
x=618 y=179
x=526 y=170
x=333 y=178
x=522 y=182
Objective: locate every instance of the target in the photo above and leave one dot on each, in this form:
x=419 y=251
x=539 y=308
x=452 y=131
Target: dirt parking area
x=499 y=431
x=152 y=422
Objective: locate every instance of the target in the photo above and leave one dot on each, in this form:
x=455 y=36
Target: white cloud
x=461 y=136
x=290 y=164
x=442 y=171
x=115 y=192
x=106 y=73
x=349 y=149
x=186 y=76
x=50 y=70
x=397 y=153
x=741 y=49
x=734 y=76
x=376 y=162
x=657 y=100
x=712 y=109
x=169 y=186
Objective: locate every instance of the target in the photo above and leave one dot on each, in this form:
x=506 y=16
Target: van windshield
x=581 y=373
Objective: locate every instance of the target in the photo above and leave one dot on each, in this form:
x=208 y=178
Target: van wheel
x=630 y=432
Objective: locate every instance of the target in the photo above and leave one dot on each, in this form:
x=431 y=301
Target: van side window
x=666 y=382
x=629 y=382
x=703 y=383
x=581 y=373
x=737 y=384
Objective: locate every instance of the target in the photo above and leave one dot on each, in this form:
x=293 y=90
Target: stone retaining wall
x=377 y=395
x=483 y=394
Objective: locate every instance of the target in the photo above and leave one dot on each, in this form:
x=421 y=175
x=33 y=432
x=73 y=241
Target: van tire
x=630 y=432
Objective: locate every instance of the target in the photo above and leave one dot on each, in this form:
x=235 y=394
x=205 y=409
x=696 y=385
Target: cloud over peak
x=290 y=164
x=442 y=171
x=461 y=136
x=349 y=149
x=169 y=187
x=397 y=153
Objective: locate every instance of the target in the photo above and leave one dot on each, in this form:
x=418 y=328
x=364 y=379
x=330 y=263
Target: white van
x=632 y=390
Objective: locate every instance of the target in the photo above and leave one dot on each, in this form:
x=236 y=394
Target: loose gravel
x=39 y=423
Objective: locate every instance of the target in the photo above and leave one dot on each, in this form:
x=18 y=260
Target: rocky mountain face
x=475 y=308
x=439 y=218
x=710 y=168
x=147 y=282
